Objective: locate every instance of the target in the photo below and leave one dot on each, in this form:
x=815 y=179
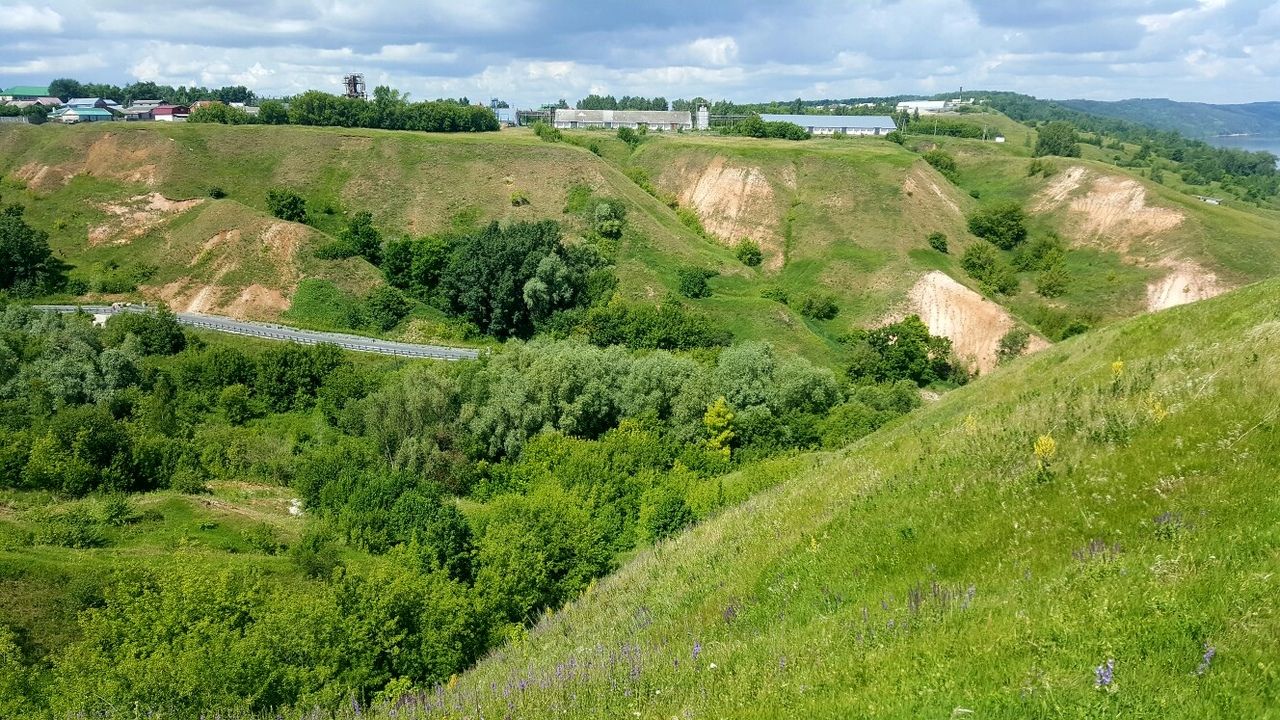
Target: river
x=1270 y=143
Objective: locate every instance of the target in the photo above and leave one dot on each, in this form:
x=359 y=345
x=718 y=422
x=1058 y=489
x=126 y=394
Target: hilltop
x=1089 y=532
x=1197 y=120
x=130 y=206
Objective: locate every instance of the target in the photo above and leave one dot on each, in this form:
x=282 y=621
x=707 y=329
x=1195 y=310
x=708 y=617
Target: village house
x=634 y=119
x=170 y=113
x=23 y=92
x=838 y=124
x=86 y=114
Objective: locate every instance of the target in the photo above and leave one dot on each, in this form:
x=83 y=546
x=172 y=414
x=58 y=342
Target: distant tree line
x=66 y=88
x=388 y=110
x=626 y=102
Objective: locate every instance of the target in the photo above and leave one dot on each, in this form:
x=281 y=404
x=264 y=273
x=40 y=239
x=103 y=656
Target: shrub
x=1040 y=166
x=690 y=219
x=748 y=252
x=630 y=137
x=663 y=512
x=286 y=205
x=943 y=163
x=548 y=133
x=938 y=241
x=896 y=136
x=985 y=265
x=608 y=219
x=1053 y=281
x=386 y=307
x=519 y=199
x=1004 y=225
x=819 y=307
x=72 y=529
x=117 y=510
x=693 y=282
x=217 y=193
x=188 y=482
x=776 y=294
x=1013 y=343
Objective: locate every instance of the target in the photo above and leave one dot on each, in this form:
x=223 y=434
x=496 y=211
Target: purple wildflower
x=730 y=613
x=1209 y=652
x=697 y=649
x=782 y=663
x=1104 y=674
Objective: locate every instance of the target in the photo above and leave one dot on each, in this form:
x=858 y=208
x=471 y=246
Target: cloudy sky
x=535 y=51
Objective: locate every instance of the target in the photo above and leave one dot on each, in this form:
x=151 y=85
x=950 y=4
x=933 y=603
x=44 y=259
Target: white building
x=926 y=107
x=634 y=119
x=838 y=124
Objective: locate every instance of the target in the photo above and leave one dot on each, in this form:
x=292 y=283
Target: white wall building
x=634 y=119
x=838 y=124
x=926 y=107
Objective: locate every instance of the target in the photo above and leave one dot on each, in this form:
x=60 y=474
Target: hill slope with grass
x=841 y=224
x=1089 y=532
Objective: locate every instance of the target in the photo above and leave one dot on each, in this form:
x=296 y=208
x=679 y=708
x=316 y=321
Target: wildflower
x=1104 y=674
x=1117 y=369
x=1045 y=448
x=697 y=649
x=782 y=663
x=1206 y=659
x=730 y=613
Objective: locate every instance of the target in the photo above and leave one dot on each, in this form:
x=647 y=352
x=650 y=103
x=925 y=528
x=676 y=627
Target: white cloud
x=714 y=50
x=29 y=18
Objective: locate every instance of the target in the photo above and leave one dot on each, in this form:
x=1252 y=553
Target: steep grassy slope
x=1110 y=499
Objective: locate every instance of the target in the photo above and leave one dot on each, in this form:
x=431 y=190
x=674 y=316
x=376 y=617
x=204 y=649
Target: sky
x=530 y=52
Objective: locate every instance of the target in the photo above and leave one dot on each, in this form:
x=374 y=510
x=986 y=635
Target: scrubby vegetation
x=446 y=506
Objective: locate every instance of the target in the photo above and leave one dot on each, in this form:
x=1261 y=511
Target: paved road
x=283 y=332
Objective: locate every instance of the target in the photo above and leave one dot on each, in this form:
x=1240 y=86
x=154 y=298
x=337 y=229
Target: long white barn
x=838 y=124
x=634 y=119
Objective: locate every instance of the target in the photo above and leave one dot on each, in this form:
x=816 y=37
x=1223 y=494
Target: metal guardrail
x=284 y=333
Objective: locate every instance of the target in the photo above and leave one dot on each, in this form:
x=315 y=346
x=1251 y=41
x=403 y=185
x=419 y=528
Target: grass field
x=1108 y=501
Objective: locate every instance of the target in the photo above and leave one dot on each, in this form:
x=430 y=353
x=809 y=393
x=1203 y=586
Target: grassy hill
x=1189 y=118
x=130 y=205
x=1109 y=502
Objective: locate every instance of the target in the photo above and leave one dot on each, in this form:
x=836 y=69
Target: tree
x=287 y=205
x=748 y=252
x=1003 y=224
x=28 y=267
x=272 y=112
x=235 y=404
x=718 y=421
x=501 y=280
x=1057 y=138
x=360 y=237
x=66 y=88
x=387 y=307
x=901 y=351
x=1053 y=280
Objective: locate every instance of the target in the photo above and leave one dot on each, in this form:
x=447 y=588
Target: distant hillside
x=1189 y=118
x=129 y=206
